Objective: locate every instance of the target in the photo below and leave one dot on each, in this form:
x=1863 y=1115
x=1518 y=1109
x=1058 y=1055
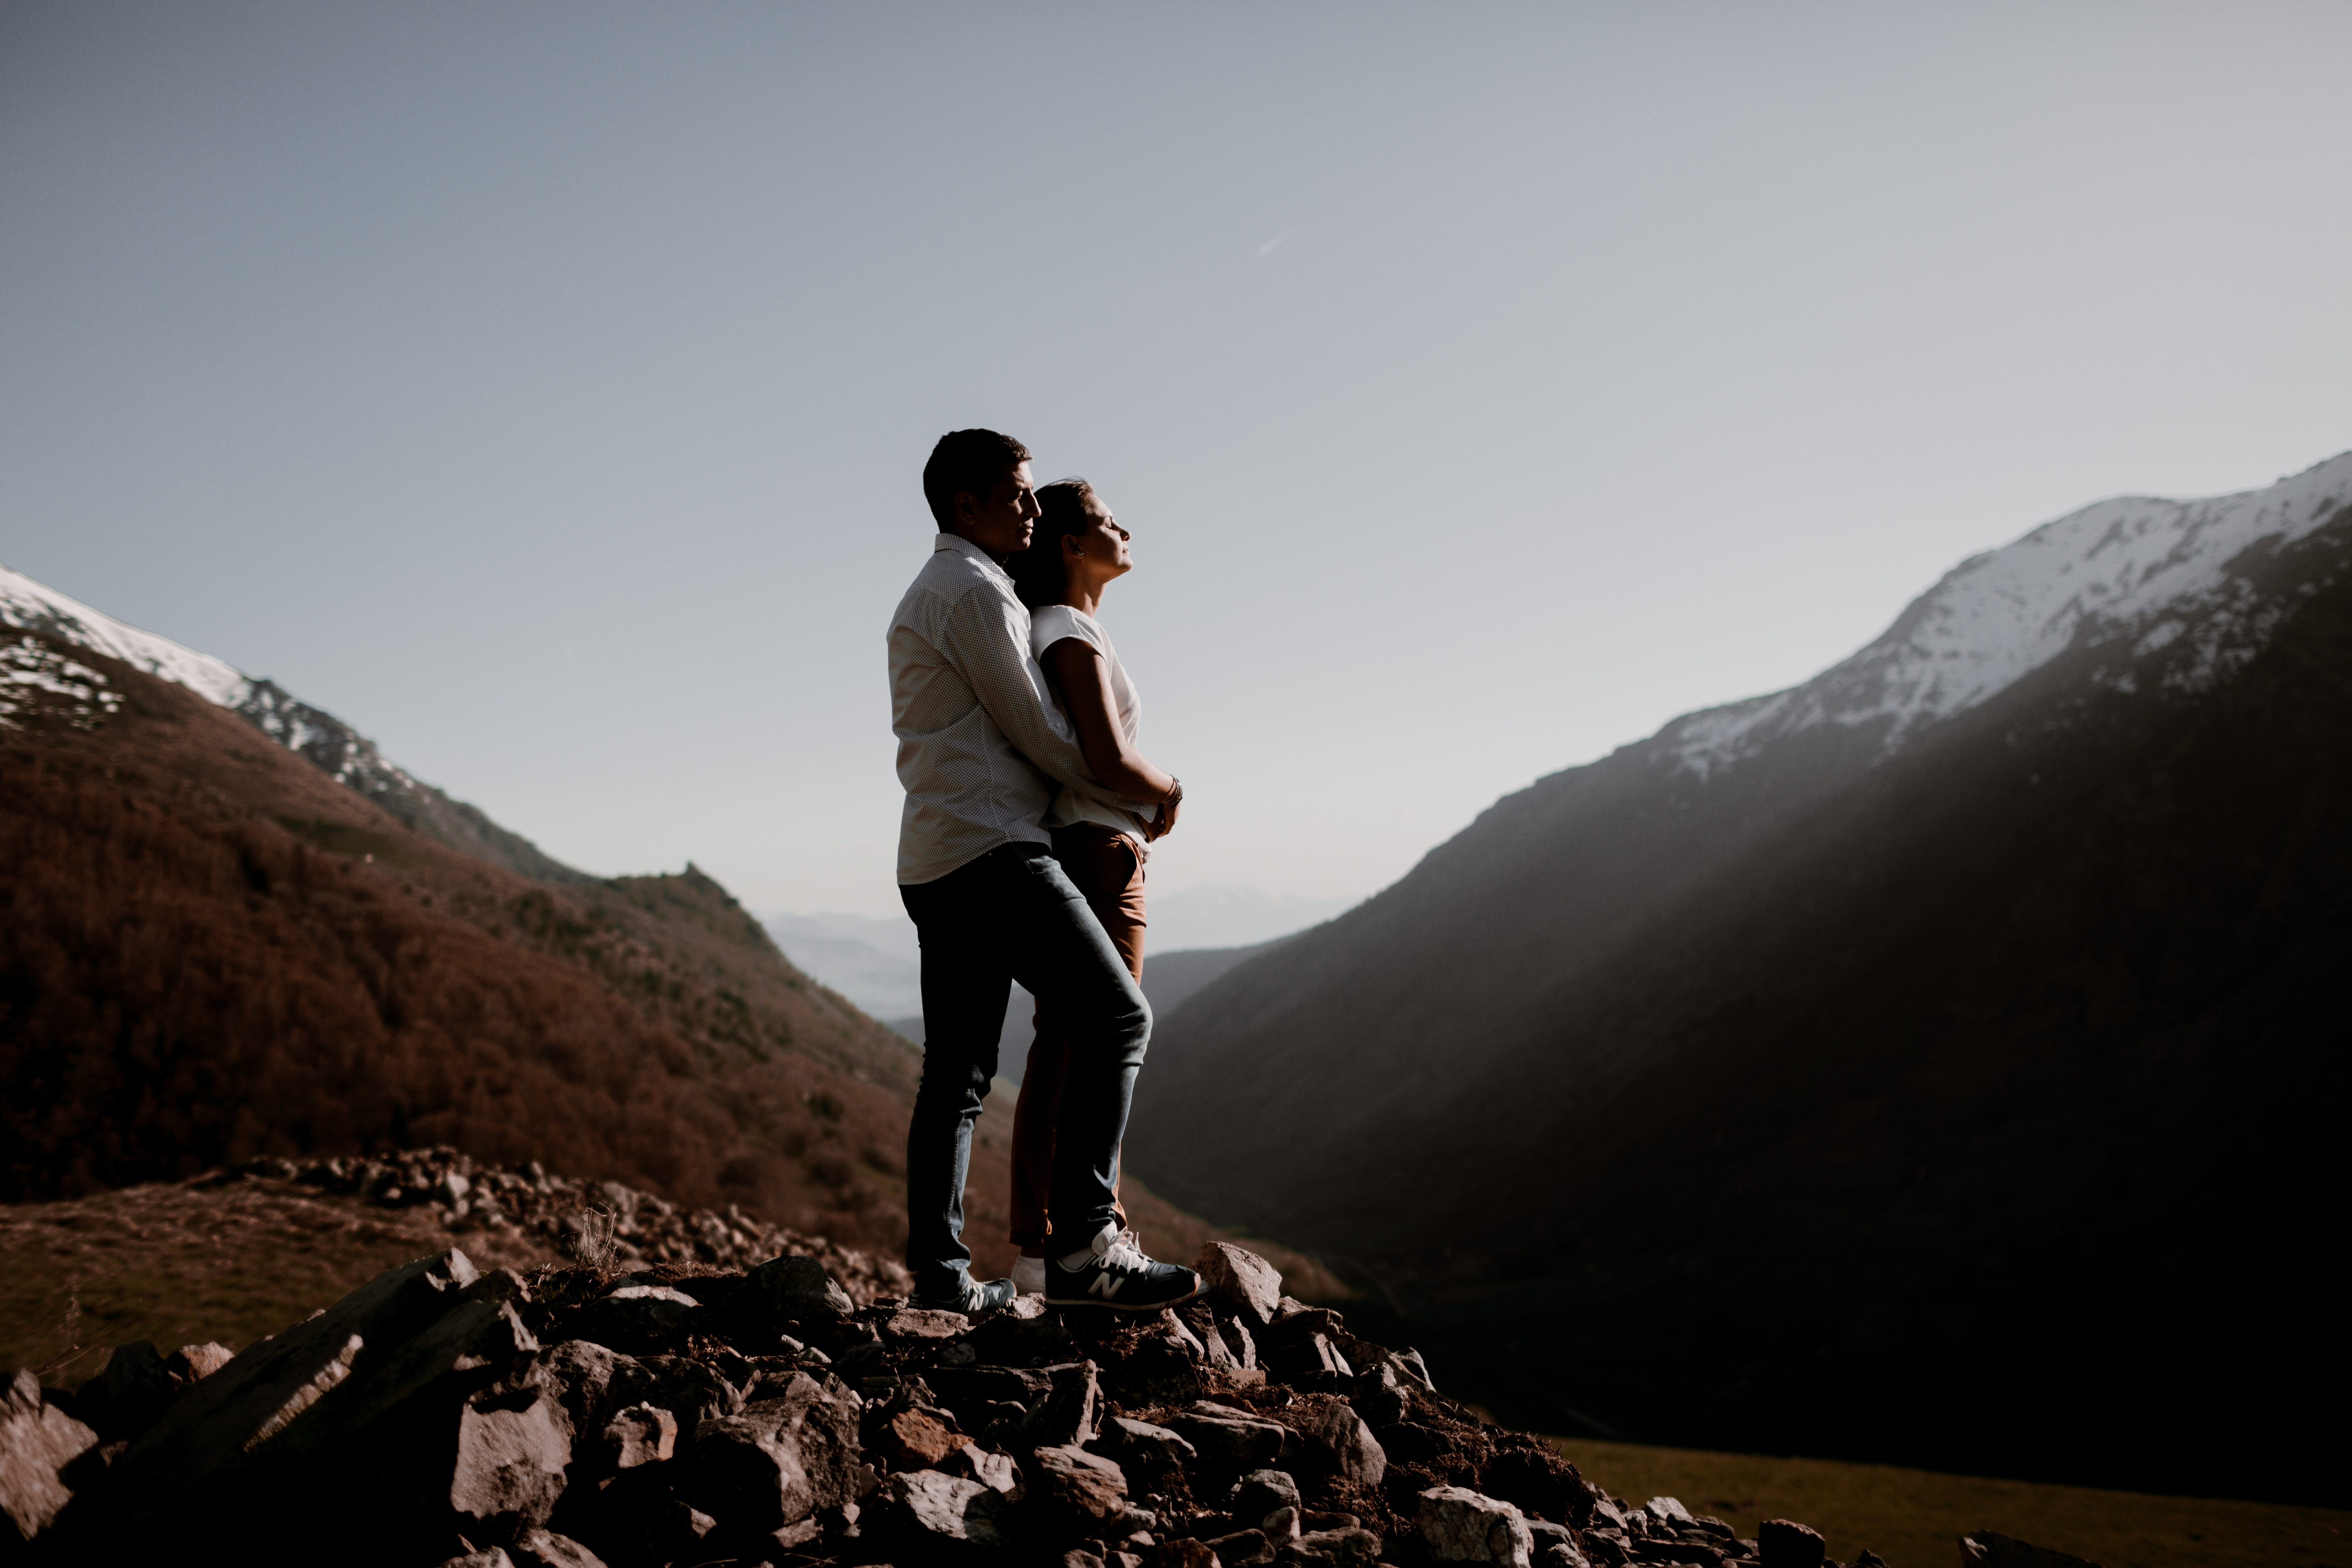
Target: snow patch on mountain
x=36 y=607
x=2135 y=568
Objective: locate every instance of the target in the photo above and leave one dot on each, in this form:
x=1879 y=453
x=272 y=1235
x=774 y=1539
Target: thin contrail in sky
x=1270 y=246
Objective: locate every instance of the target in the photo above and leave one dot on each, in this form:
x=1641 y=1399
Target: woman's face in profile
x=1104 y=541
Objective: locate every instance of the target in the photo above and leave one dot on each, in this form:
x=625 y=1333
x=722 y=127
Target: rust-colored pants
x=1107 y=867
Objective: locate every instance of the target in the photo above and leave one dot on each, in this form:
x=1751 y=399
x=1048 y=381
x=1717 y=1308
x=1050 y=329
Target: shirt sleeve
x=983 y=638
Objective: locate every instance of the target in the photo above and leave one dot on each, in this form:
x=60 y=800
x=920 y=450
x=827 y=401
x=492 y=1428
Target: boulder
x=1243 y=1549
x=779 y=1460
x=691 y=1390
x=1349 y=1547
x=37 y=1441
x=191 y=1364
x=1230 y=1441
x=1993 y=1551
x=1077 y=1485
x=1069 y=1413
x=1241 y=1280
x=641 y=1434
x=916 y=1439
x=544 y=1549
x=513 y=1448
x=797 y=1291
x=1143 y=1447
x=926 y=1509
x=1181 y=1554
x=216 y=1422
x=998 y=1472
x=1282 y=1526
x=1338 y=1442
x=917 y=1324
x=1458 y=1525
x=641 y=1319
x=1260 y=1493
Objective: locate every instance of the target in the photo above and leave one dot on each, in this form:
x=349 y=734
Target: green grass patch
x=1914 y=1518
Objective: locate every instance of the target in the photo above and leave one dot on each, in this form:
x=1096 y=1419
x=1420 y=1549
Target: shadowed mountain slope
x=1920 y=1065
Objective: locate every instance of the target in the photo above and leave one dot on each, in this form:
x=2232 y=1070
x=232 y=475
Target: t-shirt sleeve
x=1056 y=622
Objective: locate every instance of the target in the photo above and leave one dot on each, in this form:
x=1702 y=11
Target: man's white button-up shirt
x=972 y=714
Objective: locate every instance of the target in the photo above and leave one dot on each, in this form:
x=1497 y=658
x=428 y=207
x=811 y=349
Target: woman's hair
x=1037 y=573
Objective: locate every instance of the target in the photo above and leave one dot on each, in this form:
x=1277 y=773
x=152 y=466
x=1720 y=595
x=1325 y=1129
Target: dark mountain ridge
x=1972 y=1076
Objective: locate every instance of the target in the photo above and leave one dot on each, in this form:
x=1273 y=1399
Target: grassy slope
x=1914 y=1518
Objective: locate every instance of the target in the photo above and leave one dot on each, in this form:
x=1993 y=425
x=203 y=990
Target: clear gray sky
x=544 y=387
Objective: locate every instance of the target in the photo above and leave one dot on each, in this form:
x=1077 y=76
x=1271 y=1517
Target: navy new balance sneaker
x=1113 y=1272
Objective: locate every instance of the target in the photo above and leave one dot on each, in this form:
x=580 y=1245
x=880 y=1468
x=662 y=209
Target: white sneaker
x=1029 y=1275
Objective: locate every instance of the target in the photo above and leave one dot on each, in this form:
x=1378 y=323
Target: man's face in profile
x=1001 y=522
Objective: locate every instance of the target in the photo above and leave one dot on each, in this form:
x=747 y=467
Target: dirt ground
x=1914 y=1518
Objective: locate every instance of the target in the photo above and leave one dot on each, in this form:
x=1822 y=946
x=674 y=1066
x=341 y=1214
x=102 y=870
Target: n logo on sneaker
x=1105 y=1284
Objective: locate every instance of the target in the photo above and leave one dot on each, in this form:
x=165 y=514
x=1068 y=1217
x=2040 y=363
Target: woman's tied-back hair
x=1037 y=573
x=967 y=462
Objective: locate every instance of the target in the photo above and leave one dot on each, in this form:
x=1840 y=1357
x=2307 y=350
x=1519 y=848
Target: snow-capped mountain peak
x=2136 y=569
x=320 y=739
x=34 y=606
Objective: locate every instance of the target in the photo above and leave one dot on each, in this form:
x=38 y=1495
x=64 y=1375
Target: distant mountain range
x=1940 y=1060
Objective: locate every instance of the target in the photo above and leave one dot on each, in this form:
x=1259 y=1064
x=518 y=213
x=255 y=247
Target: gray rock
x=1240 y=1280
x=1561 y=1554
x=778 y=1461
x=1995 y=1551
x=643 y=1319
x=641 y=1434
x=1068 y=1414
x=1259 y=1493
x=193 y=1363
x=1458 y=1525
x=798 y=1289
x=513 y=1448
x=690 y=1389
x=37 y=1441
x=1182 y=1335
x=926 y=1509
x=1230 y=1442
x=489 y=1557
x=1000 y=1473
x=1282 y=1526
x=1667 y=1508
x=1243 y=1549
x=1183 y=1553
x=1076 y=1483
x=216 y=1423
x=1353 y=1547
x=919 y=1324
x=1338 y=1440
x=1140 y=1446
x=544 y=1549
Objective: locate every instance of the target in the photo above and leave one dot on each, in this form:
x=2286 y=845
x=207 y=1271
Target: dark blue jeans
x=1013 y=914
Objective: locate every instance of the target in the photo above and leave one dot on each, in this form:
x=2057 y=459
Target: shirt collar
x=958 y=543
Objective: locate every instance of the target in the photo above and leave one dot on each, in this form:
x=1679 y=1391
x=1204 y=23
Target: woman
x=1077 y=549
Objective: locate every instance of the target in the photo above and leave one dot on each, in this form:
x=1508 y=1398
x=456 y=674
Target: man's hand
x=1156 y=830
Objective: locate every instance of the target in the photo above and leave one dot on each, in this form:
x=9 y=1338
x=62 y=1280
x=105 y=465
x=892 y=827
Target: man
x=981 y=747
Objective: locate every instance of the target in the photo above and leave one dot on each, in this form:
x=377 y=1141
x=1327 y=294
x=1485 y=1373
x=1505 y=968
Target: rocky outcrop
x=442 y=1415
x=598 y=1223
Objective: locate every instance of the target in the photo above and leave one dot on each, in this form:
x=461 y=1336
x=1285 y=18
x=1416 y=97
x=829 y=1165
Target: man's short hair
x=967 y=462
x=1038 y=573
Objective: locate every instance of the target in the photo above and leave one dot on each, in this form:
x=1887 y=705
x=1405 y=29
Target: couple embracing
x=1021 y=850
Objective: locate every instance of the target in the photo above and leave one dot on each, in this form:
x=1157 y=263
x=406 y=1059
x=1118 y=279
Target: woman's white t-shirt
x=1057 y=623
